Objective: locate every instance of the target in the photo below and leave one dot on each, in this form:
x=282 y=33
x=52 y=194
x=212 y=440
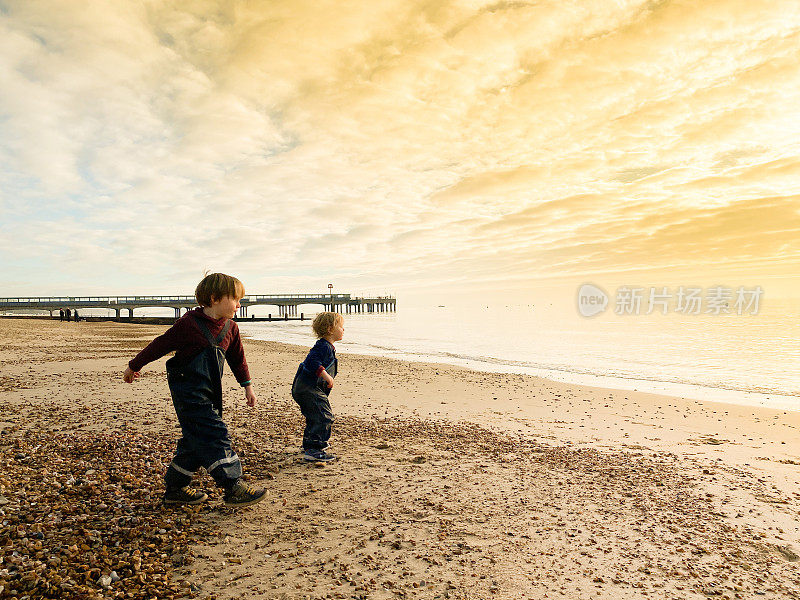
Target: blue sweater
x=322 y=357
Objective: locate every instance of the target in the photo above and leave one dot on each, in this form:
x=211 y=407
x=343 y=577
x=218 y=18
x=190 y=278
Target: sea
x=748 y=359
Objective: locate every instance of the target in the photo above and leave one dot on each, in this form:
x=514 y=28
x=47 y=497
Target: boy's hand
x=129 y=375
x=328 y=379
x=250 y=395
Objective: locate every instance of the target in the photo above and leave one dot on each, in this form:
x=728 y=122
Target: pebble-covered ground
x=81 y=518
x=414 y=508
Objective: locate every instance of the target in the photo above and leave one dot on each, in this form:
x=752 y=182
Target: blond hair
x=324 y=321
x=216 y=285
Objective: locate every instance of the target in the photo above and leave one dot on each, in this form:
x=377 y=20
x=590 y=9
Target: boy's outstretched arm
x=328 y=379
x=250 y=395
x=162 y=345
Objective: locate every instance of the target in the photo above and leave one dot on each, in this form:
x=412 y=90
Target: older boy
x=203 y=339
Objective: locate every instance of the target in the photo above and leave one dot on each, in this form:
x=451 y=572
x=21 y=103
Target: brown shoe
x=242 y=494
x=184 y=495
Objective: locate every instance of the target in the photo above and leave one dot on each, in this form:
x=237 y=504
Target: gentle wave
x=634 y=377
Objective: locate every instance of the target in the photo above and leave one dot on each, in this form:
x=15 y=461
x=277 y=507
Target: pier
x=287 y=304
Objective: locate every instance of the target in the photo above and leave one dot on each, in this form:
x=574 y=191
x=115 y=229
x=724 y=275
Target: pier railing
x=286 y=303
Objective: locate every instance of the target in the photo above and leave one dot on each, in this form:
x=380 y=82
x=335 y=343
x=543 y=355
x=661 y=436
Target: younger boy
x=203 y=339
x=313 y=383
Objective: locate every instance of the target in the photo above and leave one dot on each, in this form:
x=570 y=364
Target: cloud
x=393 y=143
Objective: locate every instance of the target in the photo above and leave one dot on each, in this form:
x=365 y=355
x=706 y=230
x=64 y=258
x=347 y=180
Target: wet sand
x=450 y=484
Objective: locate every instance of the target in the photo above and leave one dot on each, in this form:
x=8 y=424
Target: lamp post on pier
x=330 y=290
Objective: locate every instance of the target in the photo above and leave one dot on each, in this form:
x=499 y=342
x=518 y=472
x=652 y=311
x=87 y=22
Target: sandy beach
x=450 y=484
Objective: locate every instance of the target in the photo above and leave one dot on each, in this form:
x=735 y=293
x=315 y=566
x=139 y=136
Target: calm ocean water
x=753 y=360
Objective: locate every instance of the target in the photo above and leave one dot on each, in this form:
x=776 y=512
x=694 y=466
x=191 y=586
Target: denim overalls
x=315 y=406
x=196 y=389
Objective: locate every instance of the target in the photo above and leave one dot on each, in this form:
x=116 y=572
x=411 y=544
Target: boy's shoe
x=325 y=447
x=184 y=495
x=242 y=494
x=318 y=456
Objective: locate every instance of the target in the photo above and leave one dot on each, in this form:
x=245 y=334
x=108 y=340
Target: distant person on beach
x=203 y=339
x=67 y=315
x=75 y=316
x=60 y=314
x=313 y=383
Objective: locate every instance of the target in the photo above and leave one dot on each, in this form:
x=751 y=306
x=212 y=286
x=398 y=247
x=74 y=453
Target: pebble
x=102 y=528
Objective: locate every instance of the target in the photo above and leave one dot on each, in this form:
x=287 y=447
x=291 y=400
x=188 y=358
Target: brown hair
x=217 y=285
x=324 y=321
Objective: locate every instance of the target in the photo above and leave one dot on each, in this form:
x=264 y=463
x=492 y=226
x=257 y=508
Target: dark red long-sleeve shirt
x=185 y=339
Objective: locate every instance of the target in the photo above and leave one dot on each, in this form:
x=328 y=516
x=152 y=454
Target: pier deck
x=287 y=303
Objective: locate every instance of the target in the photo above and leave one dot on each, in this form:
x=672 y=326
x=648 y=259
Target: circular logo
x=592 y=300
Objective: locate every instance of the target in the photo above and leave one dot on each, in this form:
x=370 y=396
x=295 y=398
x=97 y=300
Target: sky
x=398 y=146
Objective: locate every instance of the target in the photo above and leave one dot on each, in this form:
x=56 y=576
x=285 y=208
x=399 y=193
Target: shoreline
x=451 y=483
x=686 y=391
